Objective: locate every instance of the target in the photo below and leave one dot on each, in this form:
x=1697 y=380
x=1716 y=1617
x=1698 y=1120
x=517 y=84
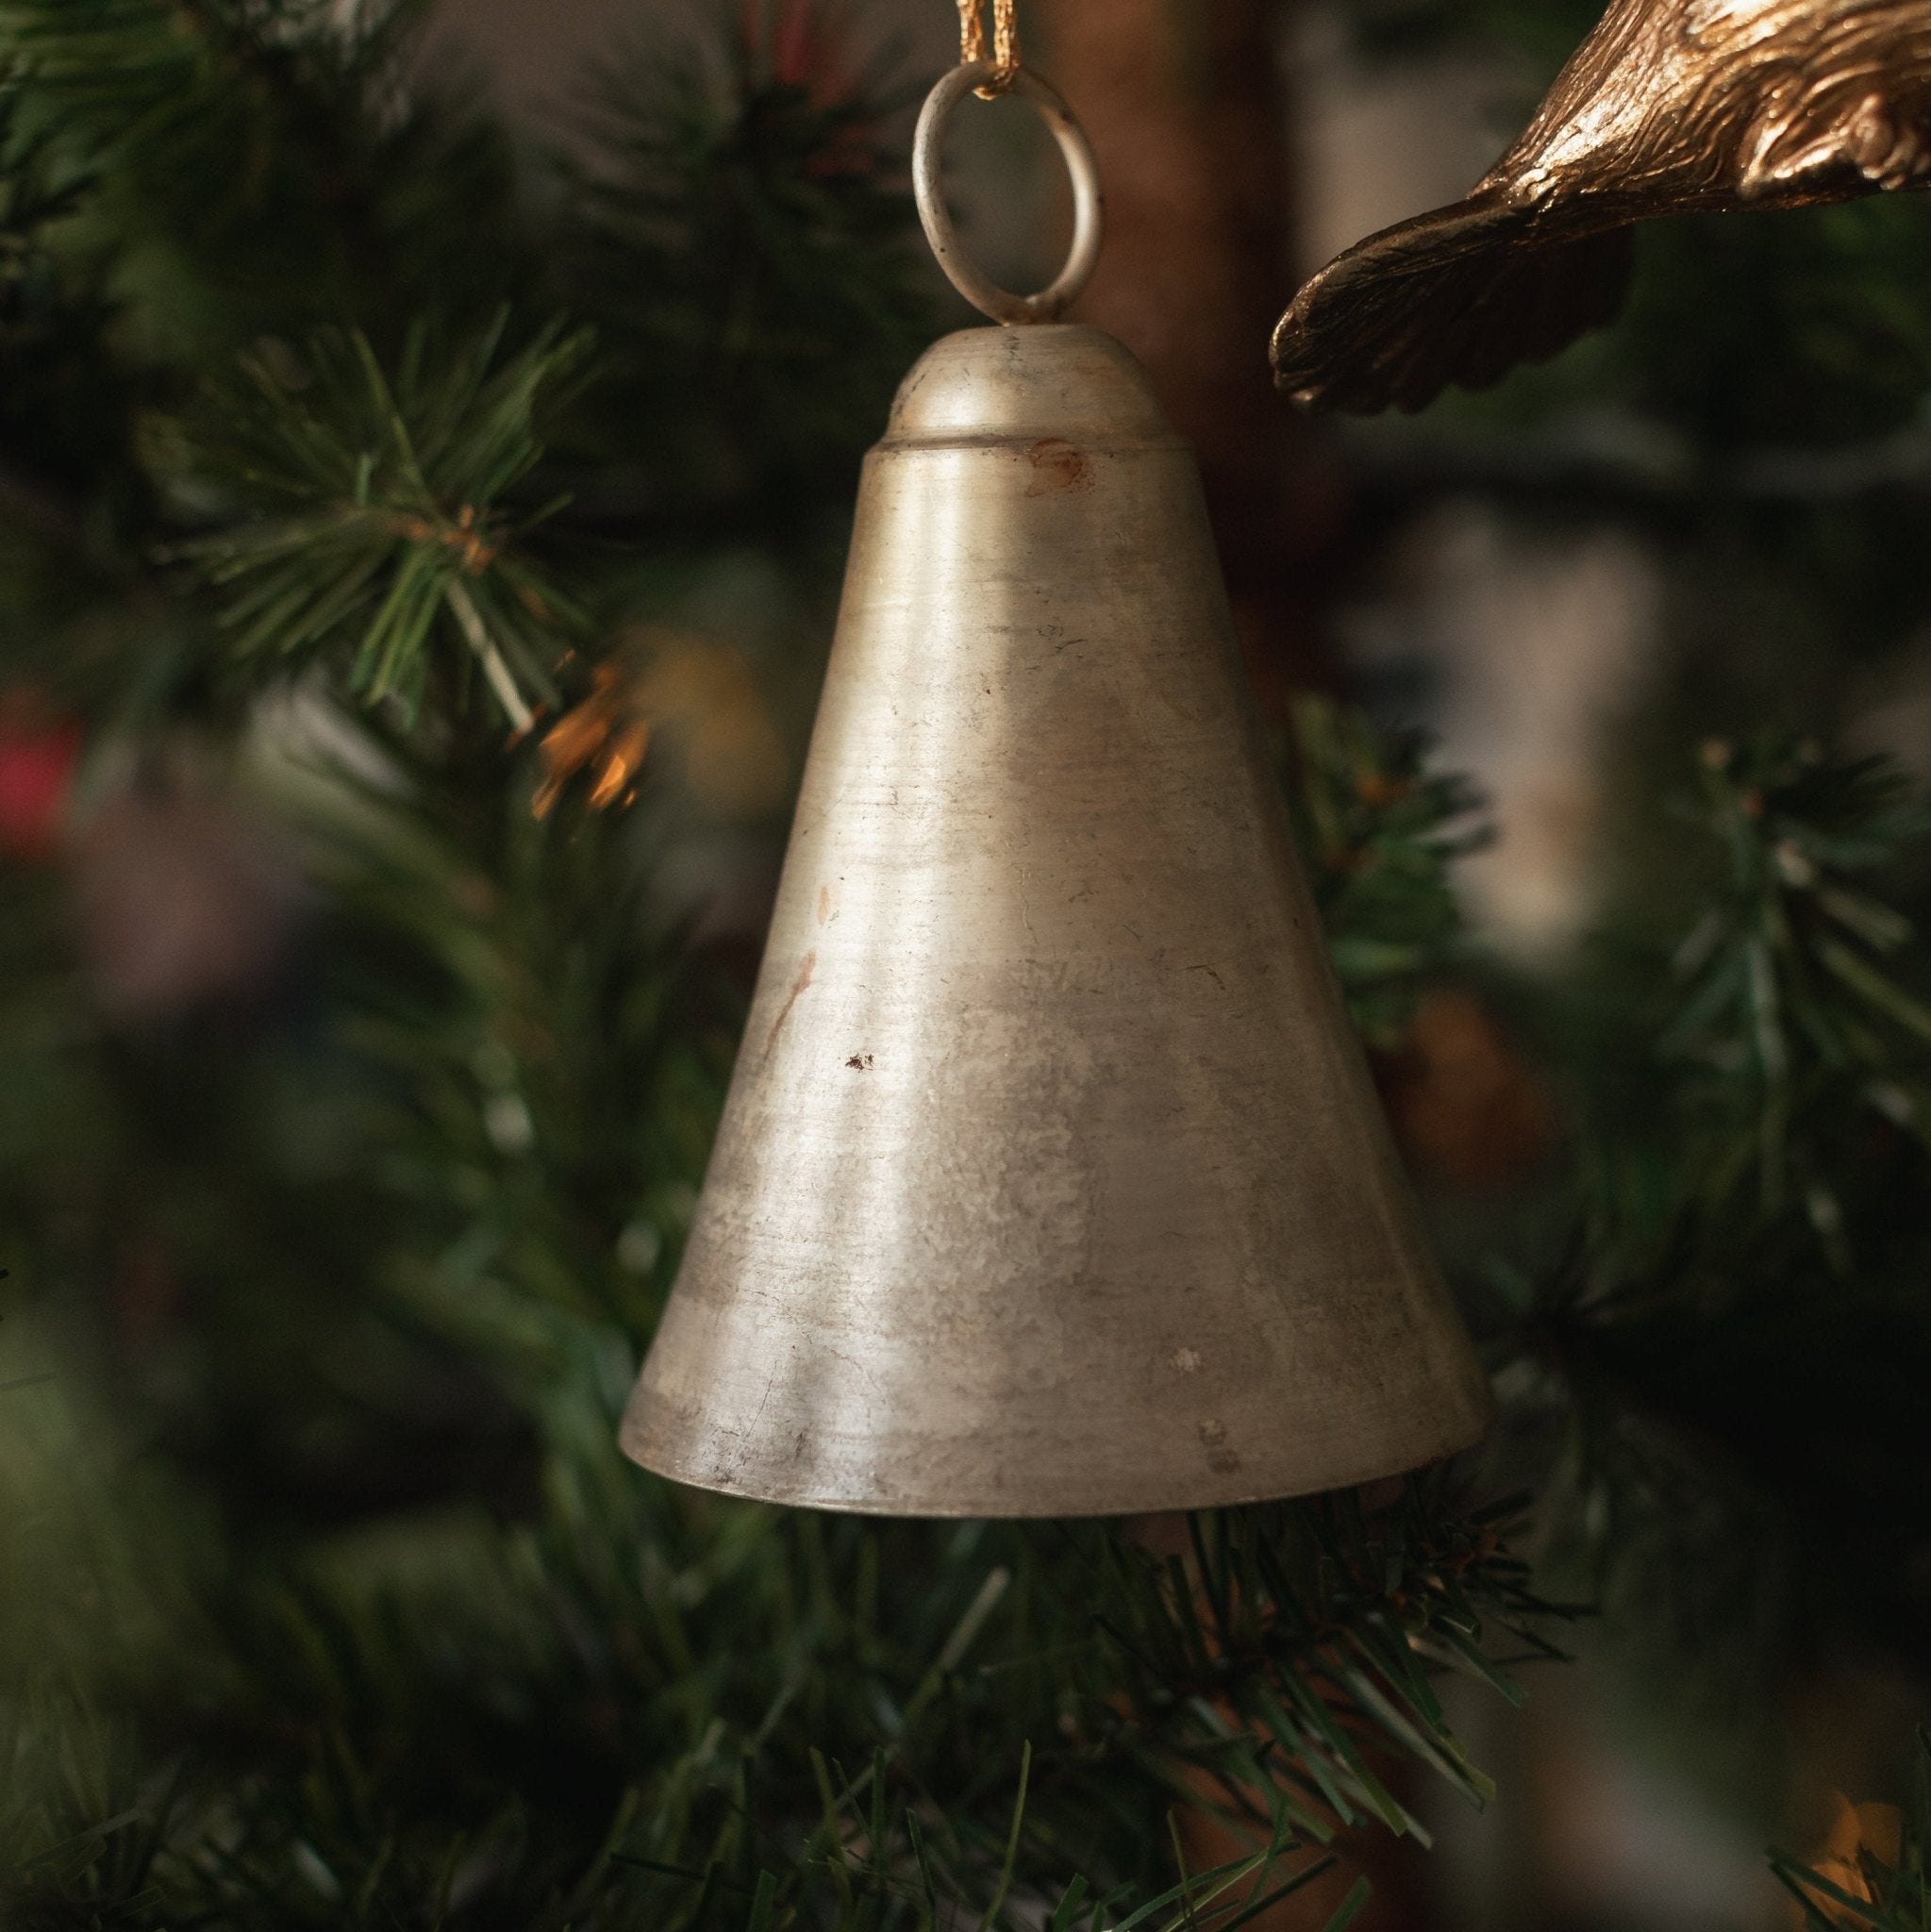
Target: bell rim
x=1160 y=1499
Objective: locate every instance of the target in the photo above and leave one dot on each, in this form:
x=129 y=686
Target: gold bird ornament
x=1670 y=107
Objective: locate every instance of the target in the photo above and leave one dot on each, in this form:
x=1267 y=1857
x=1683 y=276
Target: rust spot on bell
x=1057 y=464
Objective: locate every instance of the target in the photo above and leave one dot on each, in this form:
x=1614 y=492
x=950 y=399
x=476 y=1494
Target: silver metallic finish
x=929 y=190
x=1051 y=1181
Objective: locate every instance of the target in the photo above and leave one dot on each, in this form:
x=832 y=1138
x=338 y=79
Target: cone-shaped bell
x=1051 y=1181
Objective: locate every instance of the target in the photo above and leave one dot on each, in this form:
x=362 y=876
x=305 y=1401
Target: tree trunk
x=1184 y=102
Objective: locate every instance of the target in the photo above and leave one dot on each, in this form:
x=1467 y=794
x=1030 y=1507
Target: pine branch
x=200 y=87
x=1779 y=1055
x=212 y=89
x=1787 y=996
x=1729 y=1351
x=36 y=190
x=281 y=159
x=1290 y=1657
x=739 y=230
x=384 y=511
x=1380 y=832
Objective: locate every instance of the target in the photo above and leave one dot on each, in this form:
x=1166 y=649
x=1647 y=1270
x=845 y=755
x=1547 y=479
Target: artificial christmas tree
x=339 y=429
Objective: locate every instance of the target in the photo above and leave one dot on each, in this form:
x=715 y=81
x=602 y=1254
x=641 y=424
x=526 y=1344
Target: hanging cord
x=972 y=43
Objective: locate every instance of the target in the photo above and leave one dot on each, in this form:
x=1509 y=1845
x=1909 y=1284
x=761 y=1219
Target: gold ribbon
x=972 y=41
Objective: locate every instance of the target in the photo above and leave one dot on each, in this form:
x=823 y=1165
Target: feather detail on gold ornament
x=1670 y=107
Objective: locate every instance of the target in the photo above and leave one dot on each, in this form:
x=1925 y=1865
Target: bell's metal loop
x=929 y=150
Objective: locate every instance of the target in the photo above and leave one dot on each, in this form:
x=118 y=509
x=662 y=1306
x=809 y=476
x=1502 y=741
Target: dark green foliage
x=1833 y=344
x=1380 y=832
x=1260 y=1651
x=1542 y=33
x=1712 y=1328
x=739 y=234
x=260 y=165
x=1734 y=1337
x=70 y=482
x=646 y=1707
x=1786 y=1004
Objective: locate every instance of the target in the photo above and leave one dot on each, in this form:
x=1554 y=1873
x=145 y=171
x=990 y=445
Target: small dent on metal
x=1214 y=1437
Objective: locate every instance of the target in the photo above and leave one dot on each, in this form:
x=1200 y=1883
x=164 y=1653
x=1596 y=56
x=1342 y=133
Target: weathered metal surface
x=1051 y=1181
x=1670 y=107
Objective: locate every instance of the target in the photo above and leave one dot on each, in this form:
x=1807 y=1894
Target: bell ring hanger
x=928 y=146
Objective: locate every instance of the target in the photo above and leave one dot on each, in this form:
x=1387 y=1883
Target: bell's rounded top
x=1046 y=379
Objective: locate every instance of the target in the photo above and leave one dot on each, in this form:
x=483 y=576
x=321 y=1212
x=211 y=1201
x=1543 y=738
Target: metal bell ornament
x=1051 y=1181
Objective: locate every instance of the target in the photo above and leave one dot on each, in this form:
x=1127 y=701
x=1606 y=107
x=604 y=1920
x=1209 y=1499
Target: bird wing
x=1459 y=295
